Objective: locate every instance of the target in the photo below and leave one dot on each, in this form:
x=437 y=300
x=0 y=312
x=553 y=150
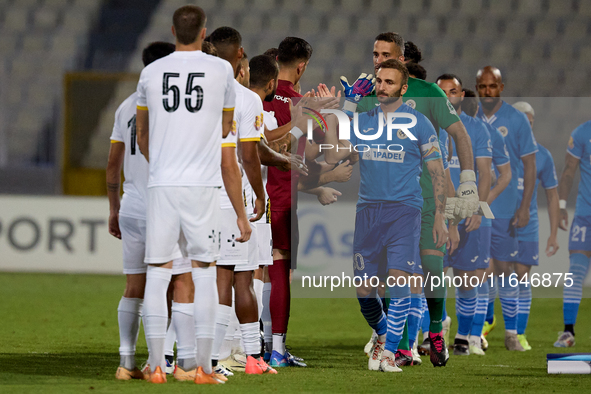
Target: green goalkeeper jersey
x=431 y=101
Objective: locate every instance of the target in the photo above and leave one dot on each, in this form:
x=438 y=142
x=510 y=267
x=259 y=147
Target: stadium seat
x=503 y=50
x=320 y=6
x=16 y=19
x=46 y=18
x=558 y=9
x=398 y=24
x=310 y=24
x=339 y=25
x=584 y=8
x=530 y=8
x=545 y=29
x=486 y=28
x=575 y=28
x=294 y=6
x=532 y=53
x=458 y=28
x=561 y=53
x=351 y=6
x=500 y=9
x=35 y=42
x=441 y=7
x=234 y=6
x=427 y=27
x=470 y=7
x=516 y=28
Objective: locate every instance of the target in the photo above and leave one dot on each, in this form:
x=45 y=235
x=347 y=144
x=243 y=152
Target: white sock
x=460 y=336
x=258 y=286
x=222 y=319
x=156 y=314
x=129 y=316
x=206 y=301
x=279 y=343
x=251 y=338
x=170 y=337
x=182 y=315
x=266 y=317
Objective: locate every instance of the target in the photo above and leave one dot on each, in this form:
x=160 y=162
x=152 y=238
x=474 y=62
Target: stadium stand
x=543 y=45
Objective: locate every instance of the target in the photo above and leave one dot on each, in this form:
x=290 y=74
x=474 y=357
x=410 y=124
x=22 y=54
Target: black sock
x=170 y=359
x=214 y=363
x=257 y=356
x=570 y=328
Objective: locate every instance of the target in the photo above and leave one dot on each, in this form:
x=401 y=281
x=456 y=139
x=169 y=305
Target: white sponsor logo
x=487 y=260
x=535 y=257
x=367 y=130
x=454 y=162
x=411 y=263
x=520 y=184
x=474 y=259
x=384 y=155
x=452 y=110
x=514 y=253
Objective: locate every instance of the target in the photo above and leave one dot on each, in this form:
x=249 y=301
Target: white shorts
x=133 y=239
x=184 y=215
x=253 y=252
x=265 y=241
x=232 y=252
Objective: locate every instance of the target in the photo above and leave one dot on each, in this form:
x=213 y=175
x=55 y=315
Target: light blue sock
x=579 y=266
x=524 y=307
x=481 y=309
x=371 y=309
x=509 y=295
x=493 y=291
x=426 y=317
x=465 y=308
x=397 y=314
x=414 y=318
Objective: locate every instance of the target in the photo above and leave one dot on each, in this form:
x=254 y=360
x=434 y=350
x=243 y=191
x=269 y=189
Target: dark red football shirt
x=282 y=185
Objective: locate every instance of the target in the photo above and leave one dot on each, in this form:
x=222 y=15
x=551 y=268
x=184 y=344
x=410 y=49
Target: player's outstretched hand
x=114 y=225
x=259 y=209
x=454 y=238
x=324 y=91
x=343 y=172
x=563 y=222
x=552 y=246
x=245 y=229
x=295 y=162
x=440 y=233
x=521 y=218
x=363 y=86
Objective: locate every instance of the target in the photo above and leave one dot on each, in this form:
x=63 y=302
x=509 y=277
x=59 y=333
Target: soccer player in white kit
x=127 y=221
x=238 y=261
x=182 y=99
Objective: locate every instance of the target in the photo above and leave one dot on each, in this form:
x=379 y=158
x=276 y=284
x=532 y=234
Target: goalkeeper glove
x=363 y=86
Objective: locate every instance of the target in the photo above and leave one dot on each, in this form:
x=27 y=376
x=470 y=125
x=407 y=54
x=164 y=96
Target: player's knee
x=135 y=285
x=365 y=291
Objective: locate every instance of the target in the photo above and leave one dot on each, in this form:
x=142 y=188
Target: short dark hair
x=188 y=21
x=470 y=102
x=293 y=50
x=208 y=48
x=448 y=76
x=271 y=52
x=263 y=68
x=412 y=52
x=225 y=39
x=392 y=37
x=396 y=65
x=416 y=70
x=244 y=57
x=156 y=50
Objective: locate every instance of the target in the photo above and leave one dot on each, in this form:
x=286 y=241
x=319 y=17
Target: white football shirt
x=185 y=94
x=248 y=124
x=135 y=166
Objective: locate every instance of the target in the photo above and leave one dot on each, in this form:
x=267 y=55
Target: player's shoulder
x=515 y=115
x=129 y=104
x=583 y=129
x=248 y=95
x=421 y=119
x=543 y=152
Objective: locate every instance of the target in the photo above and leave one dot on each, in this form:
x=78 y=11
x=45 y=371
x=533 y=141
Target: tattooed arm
x=116 y=155
x=439 y=180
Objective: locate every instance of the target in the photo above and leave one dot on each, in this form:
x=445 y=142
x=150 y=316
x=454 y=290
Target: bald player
x=509 y=213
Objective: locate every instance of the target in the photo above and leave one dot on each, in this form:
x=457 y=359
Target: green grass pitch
x=59 y=334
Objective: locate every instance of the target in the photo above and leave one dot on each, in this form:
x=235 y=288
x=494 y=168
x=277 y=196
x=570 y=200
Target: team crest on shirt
x=358 y=263
x=258 y=122
x=233 y=129
x=451 y=108
x=503 y=130
x=571 y=142
x=401 y=134
x=411 y=103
